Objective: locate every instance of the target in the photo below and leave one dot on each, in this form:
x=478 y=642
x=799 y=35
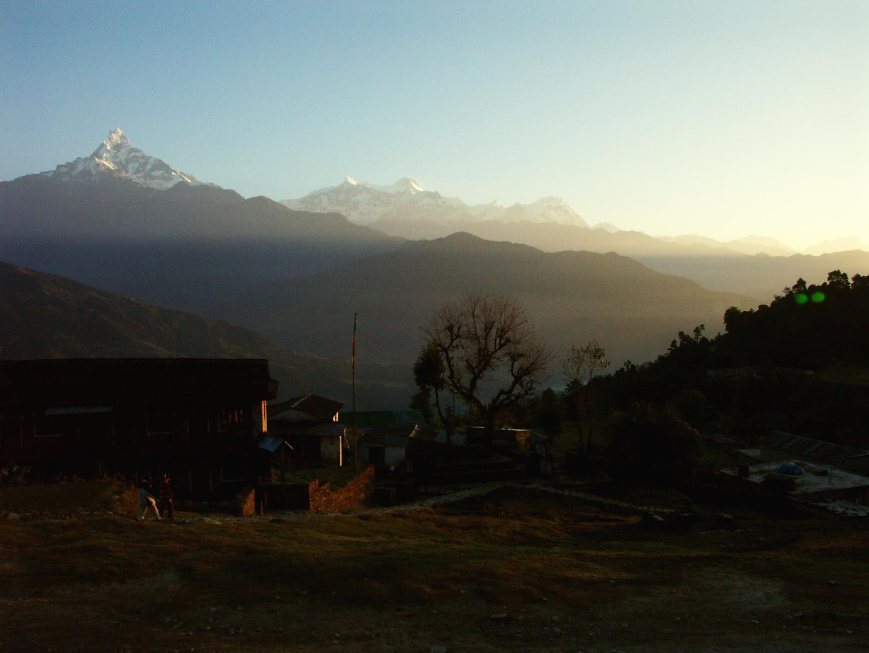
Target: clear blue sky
x=720 y=118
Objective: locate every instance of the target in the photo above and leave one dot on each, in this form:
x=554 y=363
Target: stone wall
x=243 y=504
x=360 y=489
x=311 y=496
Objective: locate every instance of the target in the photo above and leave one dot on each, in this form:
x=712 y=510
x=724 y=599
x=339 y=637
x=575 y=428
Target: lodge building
x=196 y=419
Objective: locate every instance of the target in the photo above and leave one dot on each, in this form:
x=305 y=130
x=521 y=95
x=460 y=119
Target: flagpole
x=353 y=372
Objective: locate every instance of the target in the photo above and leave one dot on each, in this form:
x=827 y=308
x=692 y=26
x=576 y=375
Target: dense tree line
x=797 y=365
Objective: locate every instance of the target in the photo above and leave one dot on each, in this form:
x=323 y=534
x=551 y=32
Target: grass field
x=515 y=570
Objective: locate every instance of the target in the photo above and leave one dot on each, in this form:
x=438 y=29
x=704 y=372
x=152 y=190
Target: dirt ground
x=510 y=571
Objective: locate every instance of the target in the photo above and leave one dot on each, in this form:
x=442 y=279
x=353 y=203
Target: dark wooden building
x=197 y=419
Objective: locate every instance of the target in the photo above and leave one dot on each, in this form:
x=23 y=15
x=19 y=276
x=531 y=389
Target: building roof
x=100 y=382
x=378 y=438
x=305 y=408
x=814 y=478
x=271 y=443
x=396 y=436
x=798 y=446
x=306 y=429
x=379 y=418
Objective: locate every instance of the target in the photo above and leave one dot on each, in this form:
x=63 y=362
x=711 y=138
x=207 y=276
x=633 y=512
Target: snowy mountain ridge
x=116 y=157
x=407 y=201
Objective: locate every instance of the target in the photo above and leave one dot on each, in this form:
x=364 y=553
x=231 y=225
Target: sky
x=722 y=119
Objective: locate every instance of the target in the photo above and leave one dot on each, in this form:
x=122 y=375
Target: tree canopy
x=491 y=356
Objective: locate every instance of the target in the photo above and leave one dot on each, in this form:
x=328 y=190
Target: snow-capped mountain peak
x=116 y=157
x=406 y=201
x=365 y=203
x=116 y=143
x=406 y=185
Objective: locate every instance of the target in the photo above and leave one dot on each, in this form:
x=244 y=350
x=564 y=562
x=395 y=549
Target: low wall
x=323 y=499
x=309 y=496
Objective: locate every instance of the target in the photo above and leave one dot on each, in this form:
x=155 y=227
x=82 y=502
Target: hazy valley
x=467 y=327
x=129 y=223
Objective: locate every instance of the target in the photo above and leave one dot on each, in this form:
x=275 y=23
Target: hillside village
x=216 y=425
x=299 y=522
x=485 y=464
x=463 y=327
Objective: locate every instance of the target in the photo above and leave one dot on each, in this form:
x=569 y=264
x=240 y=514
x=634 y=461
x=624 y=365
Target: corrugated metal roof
x=381 y=418
x=797 y=445
x=311 y=405
x=387 y=439
x=270 y=443
x=307 y=429
x=78 y=410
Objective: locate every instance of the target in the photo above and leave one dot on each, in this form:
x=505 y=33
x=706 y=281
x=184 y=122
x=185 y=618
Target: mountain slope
x=715 y=266
x=46 y=316
x=571 y=297
x=759 y=276
x=186 y=245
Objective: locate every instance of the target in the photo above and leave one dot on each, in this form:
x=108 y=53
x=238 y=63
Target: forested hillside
x=799 y=364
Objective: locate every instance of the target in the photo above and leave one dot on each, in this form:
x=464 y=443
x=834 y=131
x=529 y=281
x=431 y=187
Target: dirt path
x=452 y=495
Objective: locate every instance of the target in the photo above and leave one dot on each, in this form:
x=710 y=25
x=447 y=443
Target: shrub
x=653 y=444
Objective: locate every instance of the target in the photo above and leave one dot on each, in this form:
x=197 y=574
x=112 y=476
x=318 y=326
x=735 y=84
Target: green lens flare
x=801 y=298
x=818 y=297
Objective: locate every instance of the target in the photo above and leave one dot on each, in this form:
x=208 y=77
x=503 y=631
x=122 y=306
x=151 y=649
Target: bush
x=13 y=475
x=653 y=444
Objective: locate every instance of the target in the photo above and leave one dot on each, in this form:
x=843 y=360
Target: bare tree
x=491 y=356
x=579 y=368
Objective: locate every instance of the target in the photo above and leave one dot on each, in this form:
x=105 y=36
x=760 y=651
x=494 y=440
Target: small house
x=385 y=447
x=309 y=425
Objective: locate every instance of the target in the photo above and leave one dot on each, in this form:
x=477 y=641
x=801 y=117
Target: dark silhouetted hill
x=571 y=297
x=715 y=266
x=46 y=316
x=189 y=247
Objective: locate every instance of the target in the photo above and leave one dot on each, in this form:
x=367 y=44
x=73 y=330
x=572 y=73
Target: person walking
x=147 y=500
x=164 y=492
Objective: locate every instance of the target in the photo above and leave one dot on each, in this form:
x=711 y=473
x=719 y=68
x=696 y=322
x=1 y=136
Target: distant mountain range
x=389 y=207
x=571 y=297
x=715 y=268
x=407 y=210
x=131 y=224
x=119 y=192
x=46 y=316
x=127 y=222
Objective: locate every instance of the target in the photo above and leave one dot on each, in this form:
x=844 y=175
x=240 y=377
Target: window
x=234 y=418
x=160 y=422
x=50 y=426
